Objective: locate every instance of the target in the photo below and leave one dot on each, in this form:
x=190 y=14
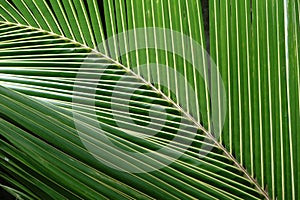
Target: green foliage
x=48 y=48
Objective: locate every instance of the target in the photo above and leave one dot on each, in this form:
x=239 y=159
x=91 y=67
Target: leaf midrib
x=185 y=114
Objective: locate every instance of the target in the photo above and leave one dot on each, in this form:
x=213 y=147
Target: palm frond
x=73 y=69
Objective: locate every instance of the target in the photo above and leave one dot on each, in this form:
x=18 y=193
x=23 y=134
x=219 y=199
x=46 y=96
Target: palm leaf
x=44 y=153
x=255 y=45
